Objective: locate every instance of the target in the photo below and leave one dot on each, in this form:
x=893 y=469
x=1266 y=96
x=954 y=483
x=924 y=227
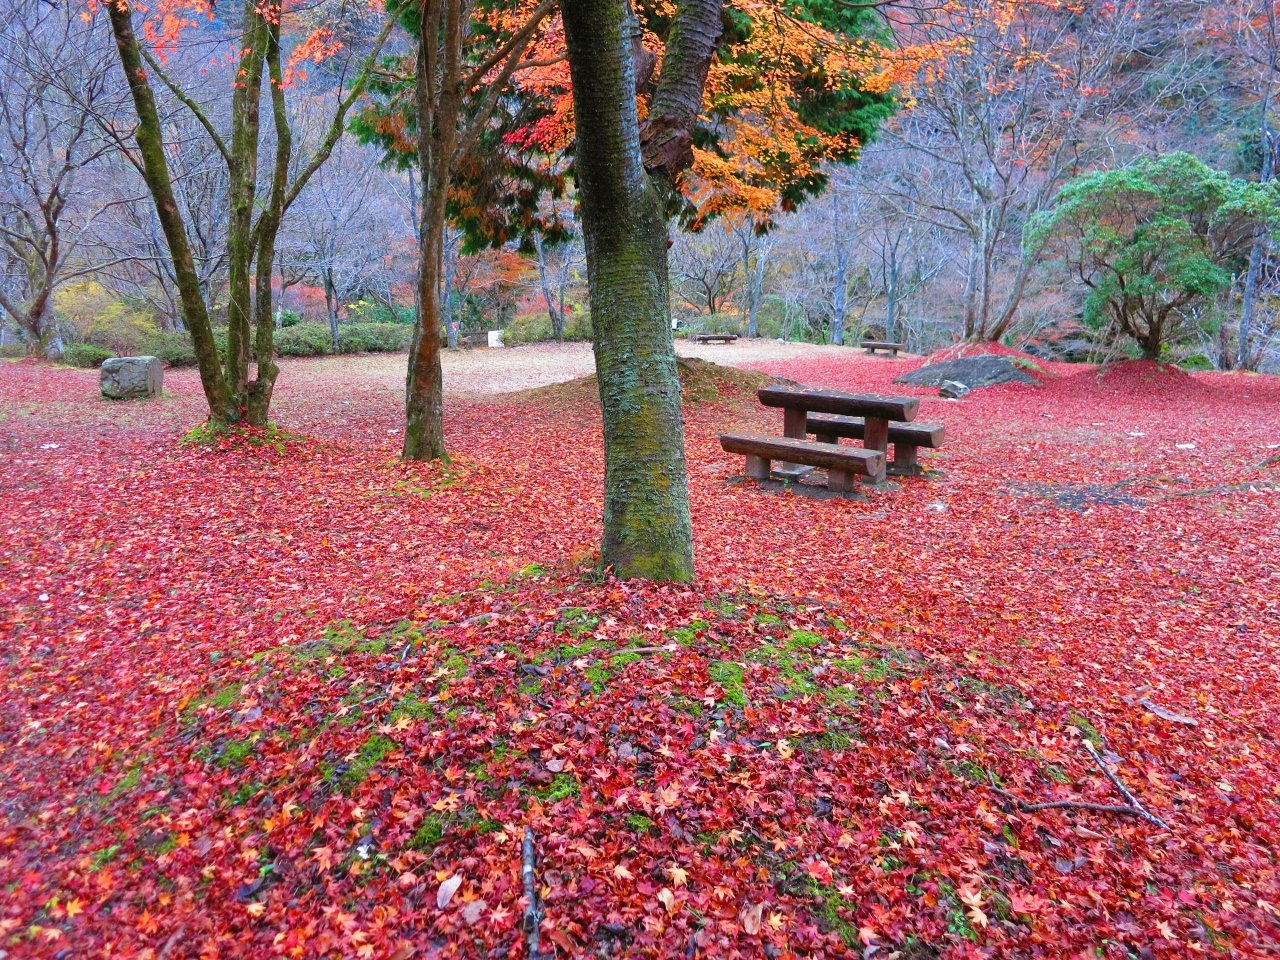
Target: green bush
x=316 y=340
x=85 y=355
x=173 y=349
x=374 y=337
x=300 y=340
x=536 y=328
x=1196 y=362
x=365 y=312
x=289 y=319
x=305 y=340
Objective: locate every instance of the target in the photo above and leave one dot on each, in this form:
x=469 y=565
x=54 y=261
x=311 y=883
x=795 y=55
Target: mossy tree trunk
x=232 y=396
x=647 y=531
x=242 y=188
x=155 y=170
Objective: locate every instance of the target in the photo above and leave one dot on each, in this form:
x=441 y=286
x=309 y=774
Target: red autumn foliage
x=268 y=698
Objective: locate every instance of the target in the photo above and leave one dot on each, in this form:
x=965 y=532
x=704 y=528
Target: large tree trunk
x=647 y=531
x=222 y=409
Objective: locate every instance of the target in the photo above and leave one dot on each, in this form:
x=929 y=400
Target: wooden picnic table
x=876 y=410
x=830 y=415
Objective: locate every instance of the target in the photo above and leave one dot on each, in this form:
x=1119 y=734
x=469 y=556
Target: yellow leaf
x=75 y=908
x=679 y=876
x=622 y=873
x=256 y=910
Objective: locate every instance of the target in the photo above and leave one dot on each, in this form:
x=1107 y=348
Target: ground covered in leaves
x=285 y=696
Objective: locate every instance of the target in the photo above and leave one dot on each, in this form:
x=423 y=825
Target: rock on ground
x=124 y=378
x=953 y=390
x=983 y=370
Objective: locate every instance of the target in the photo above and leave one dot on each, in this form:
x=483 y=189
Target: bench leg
x=906 y=463
x=875 y=434
x=757 y=468
x=841 y=481
x=795 y=426
x=826 y=438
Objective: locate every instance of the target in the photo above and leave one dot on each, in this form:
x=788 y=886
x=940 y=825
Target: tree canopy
x=1154 y=240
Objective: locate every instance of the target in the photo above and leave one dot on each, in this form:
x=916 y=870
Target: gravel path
x=522 y=368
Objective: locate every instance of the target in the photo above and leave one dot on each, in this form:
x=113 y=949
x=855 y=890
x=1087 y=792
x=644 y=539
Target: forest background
x=924 y=240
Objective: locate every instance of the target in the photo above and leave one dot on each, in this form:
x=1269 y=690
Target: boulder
x=982 y=370
x=952 y=390
x=124 y=378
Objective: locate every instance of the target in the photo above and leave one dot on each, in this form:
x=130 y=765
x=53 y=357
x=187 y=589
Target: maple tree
x=254 y=220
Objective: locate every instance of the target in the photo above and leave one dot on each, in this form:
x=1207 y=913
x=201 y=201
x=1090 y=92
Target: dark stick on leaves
x=533 y=912
x=1133 y=801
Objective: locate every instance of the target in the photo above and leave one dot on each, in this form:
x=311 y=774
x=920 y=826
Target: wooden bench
x=714 y=337
x=876 y=410
x=906 y=438
x=871 y=346
x=843 y=464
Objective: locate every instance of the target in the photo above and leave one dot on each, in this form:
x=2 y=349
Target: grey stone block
x=126 y=378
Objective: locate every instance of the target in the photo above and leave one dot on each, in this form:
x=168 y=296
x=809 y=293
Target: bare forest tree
x=55 y=76
x=704 y=266
x=1034 y=94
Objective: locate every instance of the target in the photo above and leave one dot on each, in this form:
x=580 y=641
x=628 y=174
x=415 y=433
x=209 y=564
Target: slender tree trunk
x=1010 y=310
x=557 y=319
x=222 y=409
x=891 y=300
x=838 y=298
x=331 y=304
x=263 y=386
x=1246 y=359
x=242 y=170
x=971 y=291
x=647 y=530
x=451 y=323
x=437 y=137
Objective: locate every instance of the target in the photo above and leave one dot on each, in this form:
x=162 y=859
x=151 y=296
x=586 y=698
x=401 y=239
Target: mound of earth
x=1146 y=379
x=701 y=381
x=983 y=370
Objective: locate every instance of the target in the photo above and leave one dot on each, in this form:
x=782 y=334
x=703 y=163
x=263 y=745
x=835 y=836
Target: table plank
x=813 y=399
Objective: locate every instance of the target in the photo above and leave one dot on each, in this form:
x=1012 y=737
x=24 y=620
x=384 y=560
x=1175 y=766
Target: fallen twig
x=533 y=912
x=1133 y=801
x=1169 y=715
x=1065 y=805
x=669 y=648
